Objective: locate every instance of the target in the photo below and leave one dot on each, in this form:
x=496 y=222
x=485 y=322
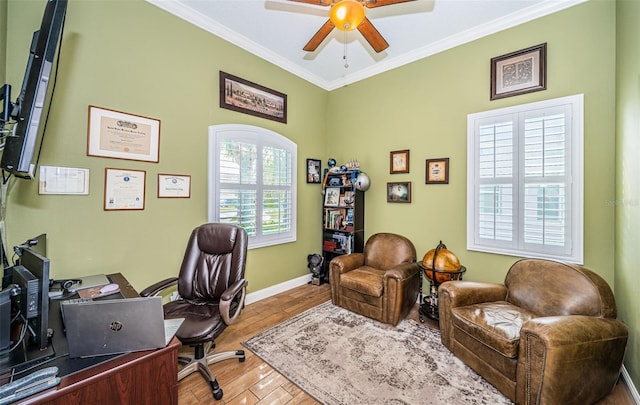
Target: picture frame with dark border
x=243 y=96
x=313 y=171
x=399 y=161
x=399 y=192
x=519 y=72
x=437 y=171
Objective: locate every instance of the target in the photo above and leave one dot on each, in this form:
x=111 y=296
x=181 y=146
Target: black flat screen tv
x=30 y=111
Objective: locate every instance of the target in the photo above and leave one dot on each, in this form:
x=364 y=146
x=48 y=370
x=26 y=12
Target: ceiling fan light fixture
x=347 y=15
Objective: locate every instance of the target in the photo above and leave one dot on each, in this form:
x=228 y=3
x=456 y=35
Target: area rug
x=342 y=358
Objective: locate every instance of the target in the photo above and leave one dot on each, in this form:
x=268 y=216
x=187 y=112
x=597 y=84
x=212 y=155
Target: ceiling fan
x=347 y=15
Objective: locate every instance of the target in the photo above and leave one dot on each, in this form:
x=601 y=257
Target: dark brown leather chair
x=212 y=290
x=381 y=283
x=548 y=335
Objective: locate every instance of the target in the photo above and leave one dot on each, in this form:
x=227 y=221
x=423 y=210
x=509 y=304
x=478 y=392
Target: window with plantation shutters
x=524 y=180
x=252 y=182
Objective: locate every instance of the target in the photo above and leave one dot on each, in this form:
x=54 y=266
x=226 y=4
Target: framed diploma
x=124 y=189
x=119 y=135
x=174 y=186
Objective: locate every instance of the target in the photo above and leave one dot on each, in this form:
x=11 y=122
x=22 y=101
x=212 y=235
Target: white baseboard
x=276 y=289
x=630 y=386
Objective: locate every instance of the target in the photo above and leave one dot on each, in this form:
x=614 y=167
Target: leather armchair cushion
x=365 y=280
x=494 y=324
x=550 y=288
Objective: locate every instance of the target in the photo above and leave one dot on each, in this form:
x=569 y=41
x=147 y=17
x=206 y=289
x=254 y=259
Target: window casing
x=252 y=182
x=525 y=180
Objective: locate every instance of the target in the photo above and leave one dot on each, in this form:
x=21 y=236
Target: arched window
x=252 y=182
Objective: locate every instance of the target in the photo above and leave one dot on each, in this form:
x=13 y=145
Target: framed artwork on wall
x=399 y=161
x=437 y=171
x=399 y=192
x=250 y=98
x=519 y=72
x=313 y=171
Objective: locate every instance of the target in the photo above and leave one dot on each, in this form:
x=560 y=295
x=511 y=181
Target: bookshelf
x=342 y=217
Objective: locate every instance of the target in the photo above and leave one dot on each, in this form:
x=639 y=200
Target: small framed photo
x=174 y=186
x=332 y=197
x=399 y=192
x=519 y=72
x=399 y=161
x=437 y=171
x=313 y=171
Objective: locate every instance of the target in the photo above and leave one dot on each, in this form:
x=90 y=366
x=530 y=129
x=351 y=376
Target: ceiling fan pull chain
x=346 y=61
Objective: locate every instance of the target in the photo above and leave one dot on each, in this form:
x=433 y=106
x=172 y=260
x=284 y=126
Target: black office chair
x=212 y=290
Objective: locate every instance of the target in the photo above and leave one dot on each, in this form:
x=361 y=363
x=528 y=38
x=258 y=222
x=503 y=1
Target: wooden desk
x=148 y=377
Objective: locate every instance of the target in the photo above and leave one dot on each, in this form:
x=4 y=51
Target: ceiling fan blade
x=380 y=3
x=316 y=2
x=319 y=36
x=371 y=34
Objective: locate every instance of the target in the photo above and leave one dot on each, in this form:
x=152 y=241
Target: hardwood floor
x=255 y=382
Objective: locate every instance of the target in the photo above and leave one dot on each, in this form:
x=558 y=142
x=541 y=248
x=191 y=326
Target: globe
x=362 y=182
x=445 y=261
x=331 y=162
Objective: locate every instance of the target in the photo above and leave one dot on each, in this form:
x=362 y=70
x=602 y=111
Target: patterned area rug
x=339 y=357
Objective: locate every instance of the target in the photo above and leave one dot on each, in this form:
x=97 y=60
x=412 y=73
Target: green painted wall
x=3 y=39
x=627 y=199
x=423 y=107
x=131 y=56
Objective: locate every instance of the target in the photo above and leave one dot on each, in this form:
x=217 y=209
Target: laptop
x=95 y=328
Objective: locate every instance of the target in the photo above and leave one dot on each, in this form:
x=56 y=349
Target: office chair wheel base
x=217 y=395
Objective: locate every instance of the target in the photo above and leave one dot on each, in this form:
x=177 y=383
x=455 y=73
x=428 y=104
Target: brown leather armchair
x=381 y=283
x=212 y=290
x=548 y=335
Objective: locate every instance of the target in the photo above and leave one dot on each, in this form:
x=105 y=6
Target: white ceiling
x=277 y=30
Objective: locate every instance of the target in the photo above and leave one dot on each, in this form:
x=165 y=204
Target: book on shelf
x=338 y=243
x=335 y=219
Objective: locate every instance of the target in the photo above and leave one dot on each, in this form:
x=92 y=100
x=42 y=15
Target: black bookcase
x=342 y=217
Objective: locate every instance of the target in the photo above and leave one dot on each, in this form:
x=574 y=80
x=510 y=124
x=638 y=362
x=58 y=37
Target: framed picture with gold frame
x=399 y=161
x=437 y=171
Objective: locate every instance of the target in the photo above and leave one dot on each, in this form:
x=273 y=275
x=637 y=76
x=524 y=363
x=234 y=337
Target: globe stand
x=429 y=304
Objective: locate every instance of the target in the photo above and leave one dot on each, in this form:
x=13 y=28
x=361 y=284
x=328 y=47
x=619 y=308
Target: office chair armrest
x=229 y=296
x=156 y=288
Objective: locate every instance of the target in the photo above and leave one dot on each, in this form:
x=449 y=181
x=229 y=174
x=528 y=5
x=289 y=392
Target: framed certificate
x=120 y=135
x=124 y=189
x=174 y=186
